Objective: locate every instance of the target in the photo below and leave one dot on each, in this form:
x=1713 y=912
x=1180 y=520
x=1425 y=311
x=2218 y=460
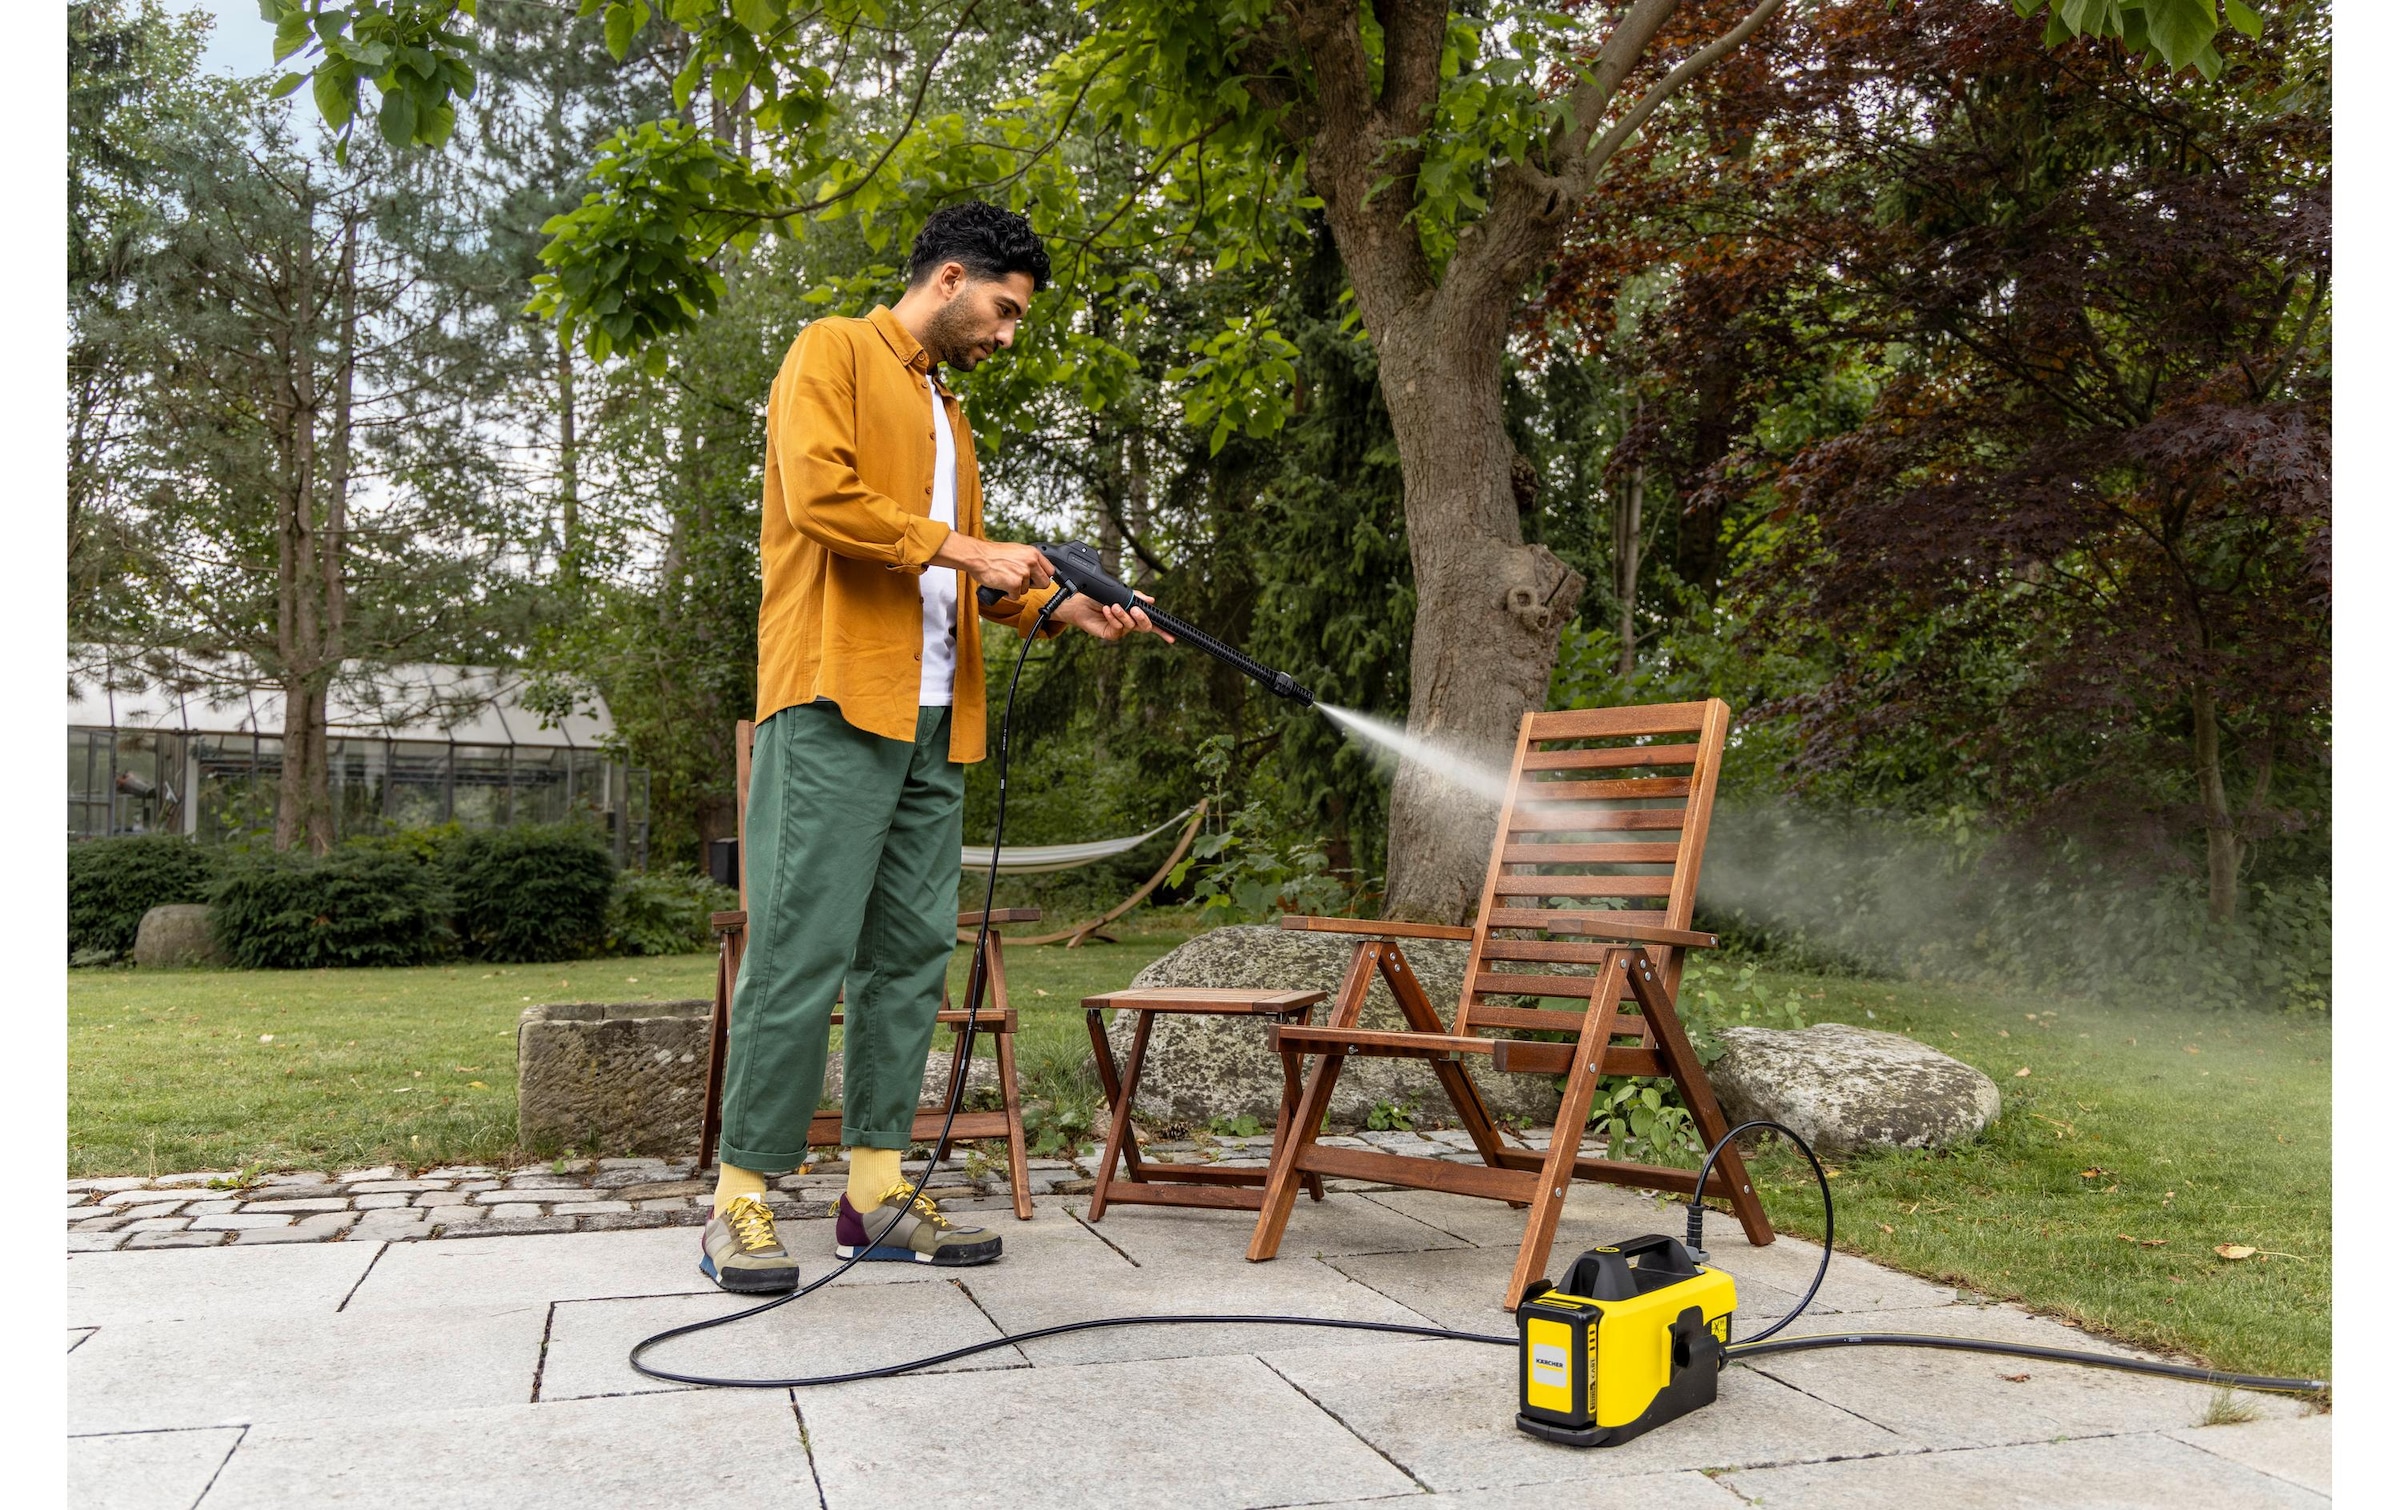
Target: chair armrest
x=1373 y=928
x=1638 y=933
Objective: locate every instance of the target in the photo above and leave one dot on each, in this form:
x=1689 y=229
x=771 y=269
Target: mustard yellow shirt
x=845 y=528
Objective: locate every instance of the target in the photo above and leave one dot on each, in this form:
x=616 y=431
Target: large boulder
x=1844 y=1088
x=1199 y=1068
x=176 y=934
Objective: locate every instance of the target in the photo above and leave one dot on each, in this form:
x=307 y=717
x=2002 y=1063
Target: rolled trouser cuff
x=769 y=1164
x=859 y=1137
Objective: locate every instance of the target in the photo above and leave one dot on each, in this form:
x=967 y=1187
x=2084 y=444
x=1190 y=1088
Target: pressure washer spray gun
x=1077 y=568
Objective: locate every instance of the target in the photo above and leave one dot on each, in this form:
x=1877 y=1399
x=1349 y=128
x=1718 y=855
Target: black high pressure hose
x=1756 y=1346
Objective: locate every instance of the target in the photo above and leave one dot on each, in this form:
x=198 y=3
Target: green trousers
x=851 y=842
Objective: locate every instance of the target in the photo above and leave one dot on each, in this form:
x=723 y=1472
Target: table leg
x=1120 y=1121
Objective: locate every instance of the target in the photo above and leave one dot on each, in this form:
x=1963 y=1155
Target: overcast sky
x=241 y=42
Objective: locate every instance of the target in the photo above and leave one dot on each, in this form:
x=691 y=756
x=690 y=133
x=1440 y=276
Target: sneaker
x=922 y=1235
x=739 y=1250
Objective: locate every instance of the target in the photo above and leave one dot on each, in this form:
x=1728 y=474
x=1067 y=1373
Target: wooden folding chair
x=998 y=1019
x=1593 y=868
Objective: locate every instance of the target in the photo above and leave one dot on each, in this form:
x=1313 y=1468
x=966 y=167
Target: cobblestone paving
x=213 y=1208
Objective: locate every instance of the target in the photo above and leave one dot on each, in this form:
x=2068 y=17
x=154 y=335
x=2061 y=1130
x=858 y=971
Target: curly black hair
x=988 y=241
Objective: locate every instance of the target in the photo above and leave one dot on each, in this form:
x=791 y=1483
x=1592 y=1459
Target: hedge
x=112 y=882
x=352 y=907
x=530 y=893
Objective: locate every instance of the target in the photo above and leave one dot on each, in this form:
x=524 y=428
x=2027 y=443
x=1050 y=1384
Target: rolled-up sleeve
x=1022 y=613
x=817 y=449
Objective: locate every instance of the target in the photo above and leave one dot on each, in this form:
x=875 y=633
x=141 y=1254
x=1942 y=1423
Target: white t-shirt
x=937 y=587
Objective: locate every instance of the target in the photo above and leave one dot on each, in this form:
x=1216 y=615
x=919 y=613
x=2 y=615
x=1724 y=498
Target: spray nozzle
x=1077 y=568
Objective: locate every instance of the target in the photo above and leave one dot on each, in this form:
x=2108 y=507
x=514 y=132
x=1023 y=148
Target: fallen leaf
x=473 y=1085
x=2235 y=1252
x=2004 y=1032
x=2030 y=1017
x=2093 y=1174
x=2191 y=1048
x=2154 y=1242
x=262 y=1038
x=1833 y=1174
x=2016 y=1378
x=2022 y=1073
x=1887 y=1228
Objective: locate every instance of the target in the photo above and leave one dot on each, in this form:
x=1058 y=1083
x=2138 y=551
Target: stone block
x=174 y=1239
x=238 y=1223
x=625 y=1078
x=2294 y=1447
x=176 y=934
x=1204 y=1067
x=96 y=1242
x=300 y=1206
x=391 y=1202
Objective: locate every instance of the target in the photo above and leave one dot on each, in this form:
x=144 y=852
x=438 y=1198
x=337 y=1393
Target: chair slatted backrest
x=1599 y=843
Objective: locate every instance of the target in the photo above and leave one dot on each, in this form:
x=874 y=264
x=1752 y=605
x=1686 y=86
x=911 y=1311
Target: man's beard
x=950 y=338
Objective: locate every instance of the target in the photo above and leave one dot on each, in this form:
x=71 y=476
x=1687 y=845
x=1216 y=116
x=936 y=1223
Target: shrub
x=530 y=893
x=665 y=912
x=354 y=907
x=112 y=882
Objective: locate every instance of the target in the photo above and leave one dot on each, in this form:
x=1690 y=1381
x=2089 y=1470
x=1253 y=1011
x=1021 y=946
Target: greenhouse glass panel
x=479 y=785
x=418 y=784
x=538 y=785
x=236 y=779
x=87 y=783
x=356 y=773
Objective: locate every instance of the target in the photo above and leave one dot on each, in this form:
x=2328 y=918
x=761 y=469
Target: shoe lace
x=751 y=1222
x=922 y=1205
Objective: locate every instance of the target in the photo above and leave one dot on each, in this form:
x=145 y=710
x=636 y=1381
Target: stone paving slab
x=840 y=1329
x=728 y=1448
x=251 y=1369
x=2291 y=1442
x=146 y=1470
x=212 y=1284
x=1175 y=1434
x=1337 y=1225
x=2131 y=1470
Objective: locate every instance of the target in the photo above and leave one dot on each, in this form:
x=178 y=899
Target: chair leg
x=1004 y=1049
x=720 y=1021
x=1120 y=1120
x=1300 y=1130
x=962 y=1050
x=1566 y=1134
x=1691 y=1077
x=1287 y=1113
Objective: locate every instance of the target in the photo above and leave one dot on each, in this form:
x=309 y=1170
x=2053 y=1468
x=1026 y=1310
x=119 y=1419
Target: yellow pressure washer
x=1630 y=1339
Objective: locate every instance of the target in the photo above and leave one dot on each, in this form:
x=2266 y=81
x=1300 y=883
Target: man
x=870 y=707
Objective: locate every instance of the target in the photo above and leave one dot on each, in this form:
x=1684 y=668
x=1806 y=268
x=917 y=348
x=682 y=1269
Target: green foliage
x=1056 y=1127
x=415 y=53
x=1644 y=1119
x=531 y=893
x=354 y=907
x=1387 y=1116
x=1243 y=1126
x=2178 y=33
x=1247 y=870
x=112 y=882
x=665 y=911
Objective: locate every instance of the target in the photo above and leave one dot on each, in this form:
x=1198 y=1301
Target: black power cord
x=1751 y=1347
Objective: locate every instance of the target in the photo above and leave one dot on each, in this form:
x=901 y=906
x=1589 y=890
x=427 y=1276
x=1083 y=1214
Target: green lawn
x=2137 y=1142
x=216 y=1069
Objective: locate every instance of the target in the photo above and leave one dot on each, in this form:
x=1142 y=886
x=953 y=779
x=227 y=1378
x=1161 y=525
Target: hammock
x=1037 y=859
x=1033 y=859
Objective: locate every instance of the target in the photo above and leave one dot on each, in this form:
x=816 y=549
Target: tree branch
x=1597 y=154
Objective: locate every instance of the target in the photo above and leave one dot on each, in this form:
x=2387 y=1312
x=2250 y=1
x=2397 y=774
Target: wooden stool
x=1187 y=1184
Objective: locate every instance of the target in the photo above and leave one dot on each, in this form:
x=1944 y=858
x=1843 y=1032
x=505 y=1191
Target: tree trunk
x=296 y=621
x=1489 y=606
x=2224 y=845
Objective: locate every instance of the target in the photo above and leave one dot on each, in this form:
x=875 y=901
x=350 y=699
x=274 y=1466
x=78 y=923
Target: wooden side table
x=1183 y=1184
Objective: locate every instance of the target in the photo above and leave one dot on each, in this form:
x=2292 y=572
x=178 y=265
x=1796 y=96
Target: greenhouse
x=156 y=745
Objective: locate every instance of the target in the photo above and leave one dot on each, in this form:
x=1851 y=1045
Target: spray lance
x=1077 y=569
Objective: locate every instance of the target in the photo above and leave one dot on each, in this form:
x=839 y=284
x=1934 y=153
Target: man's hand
x=1107 y=621
x=1013 y=569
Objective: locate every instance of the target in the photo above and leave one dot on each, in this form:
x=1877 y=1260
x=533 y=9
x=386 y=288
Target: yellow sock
x=732 y=1182
x=872 y=1172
